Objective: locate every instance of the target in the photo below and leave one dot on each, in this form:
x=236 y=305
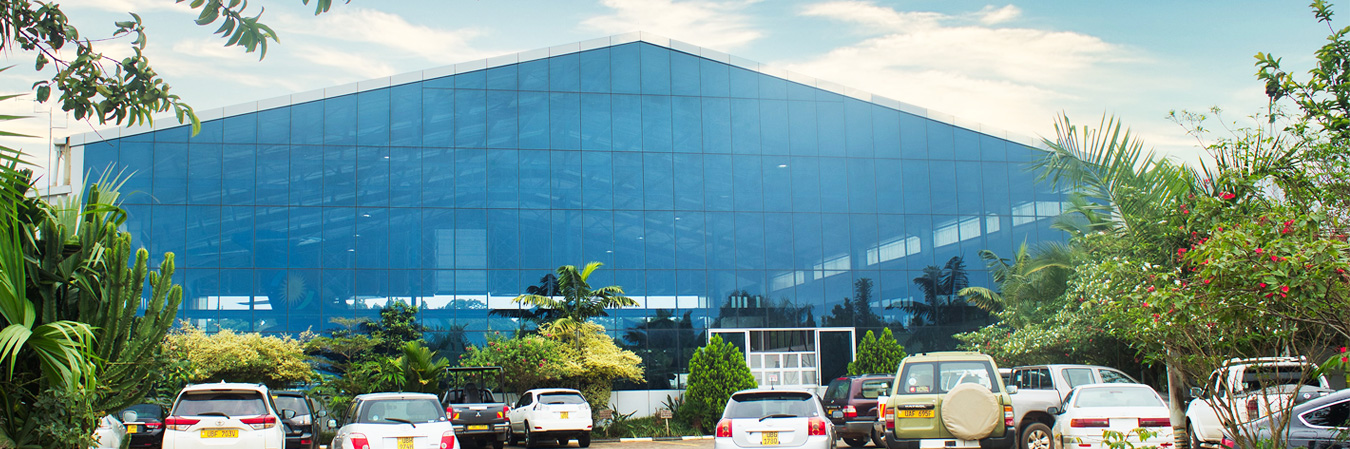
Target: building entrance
x=798 y=357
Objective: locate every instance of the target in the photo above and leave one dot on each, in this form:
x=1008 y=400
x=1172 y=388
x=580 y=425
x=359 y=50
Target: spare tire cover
x=970 y=411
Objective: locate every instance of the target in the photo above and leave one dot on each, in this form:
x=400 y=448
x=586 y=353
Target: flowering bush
x=529 y=361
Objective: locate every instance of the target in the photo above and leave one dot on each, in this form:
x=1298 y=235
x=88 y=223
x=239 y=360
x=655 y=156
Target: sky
x=1008 y=65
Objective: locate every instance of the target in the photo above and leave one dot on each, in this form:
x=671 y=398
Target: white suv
x=224 y=415
x=551 y=414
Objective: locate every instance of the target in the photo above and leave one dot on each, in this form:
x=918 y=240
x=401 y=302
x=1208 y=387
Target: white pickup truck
x=1040 y=387
x=1245 y=389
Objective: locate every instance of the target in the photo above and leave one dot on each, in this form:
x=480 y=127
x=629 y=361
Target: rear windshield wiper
x=402 y=421
x=779 y=415
x=213 y=414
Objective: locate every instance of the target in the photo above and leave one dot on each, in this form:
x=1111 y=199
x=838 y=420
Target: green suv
x=949 y=400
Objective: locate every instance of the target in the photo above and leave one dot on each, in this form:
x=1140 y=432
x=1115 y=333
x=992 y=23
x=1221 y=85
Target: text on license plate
x=405 y=443
x=132 y=428
x=768 y=438
x=220 y=433
x=563 y=415
x=915 y=414
x=478 y=427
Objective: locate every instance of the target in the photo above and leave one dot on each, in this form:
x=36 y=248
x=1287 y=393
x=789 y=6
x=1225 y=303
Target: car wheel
x=511 y=438
x=856 y=442
x=877 y=439
x=498 y=444
x=1190 y=434
x=584 y=440
x=562 y=441
x=530 y=439
x=1036 y=436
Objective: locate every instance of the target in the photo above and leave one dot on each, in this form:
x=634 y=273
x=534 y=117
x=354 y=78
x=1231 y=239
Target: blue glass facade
x=735 y=197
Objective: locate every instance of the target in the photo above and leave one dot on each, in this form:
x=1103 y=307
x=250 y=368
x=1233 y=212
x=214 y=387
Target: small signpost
x=665 y=415
x=607 y=414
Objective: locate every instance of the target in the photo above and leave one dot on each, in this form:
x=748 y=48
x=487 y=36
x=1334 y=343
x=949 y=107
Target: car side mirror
x=332 y=423
x=1054 y=410
x=323 y=413
x=1012 y=389
x=287 y=414
x=1197 y=392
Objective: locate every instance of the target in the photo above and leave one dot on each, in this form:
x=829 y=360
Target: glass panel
x=862 y=189
x=534 y=178
x=627 y=122
x=470 y=178
x=339 y=241
x=503 y=178
x=655 y=70
x=749 y=240
x=714 y=78
x=564 y=73
x=657 y=183
x=597 y=186
x=628 y=183
x=624 y=69
x=504 y=117
x=307 y=123
x=339 y=120
x=502 y=78
x=372 y=238
x=534 y=120
x=274 y=125
x=745 y=129
x=967 y=145
x=748 y=183
x=595 y=70
x=716 y=125
x=170 y=173
x=659 y=241
x=656 y=124
x=372 y=117
x=204 y=177
x=834 y=195
x=802 y=117
x=831 y=138
x=438 y=117
x=564 y=121
x=534 y=75
x=684 y=78
x=596 y=126
x=273 y=175
x=913 y=137
x=372 y=176
x=470 y=119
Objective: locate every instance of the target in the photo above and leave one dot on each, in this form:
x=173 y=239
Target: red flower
x=1262 y=285
x=1206 y=281
x=1150 y=289
x=1284 y=288
x=1145 y=303
x=1340 y=271
x=1345 y=359
x=1259 y=250
x=1274 y=258
x=1181 y=251
x=1342 y=349
x=1227 y=196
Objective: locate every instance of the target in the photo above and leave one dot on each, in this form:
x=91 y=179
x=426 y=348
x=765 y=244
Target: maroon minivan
x=851 y=403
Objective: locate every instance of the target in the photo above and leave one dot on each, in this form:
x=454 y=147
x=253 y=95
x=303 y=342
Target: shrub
x=241 y=357
x=877 y=354
x=715 y=372
x=529 y=361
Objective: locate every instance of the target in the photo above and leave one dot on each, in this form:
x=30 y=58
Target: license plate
x=479 y=427
x=220 y=433
x=132 y=428
x=837 y=414
x=916 y=414
x=768 y=438
x=405 y=443
x=564 y=415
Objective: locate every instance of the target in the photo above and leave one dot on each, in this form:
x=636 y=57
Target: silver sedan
x=774 y=418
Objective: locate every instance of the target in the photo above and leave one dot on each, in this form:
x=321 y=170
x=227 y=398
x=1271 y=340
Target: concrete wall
x=643 y=402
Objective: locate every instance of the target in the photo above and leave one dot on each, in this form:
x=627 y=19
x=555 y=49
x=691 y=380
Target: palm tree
x=940 y=286
x=534 y=317
x=575 y=301
x=1027 y=283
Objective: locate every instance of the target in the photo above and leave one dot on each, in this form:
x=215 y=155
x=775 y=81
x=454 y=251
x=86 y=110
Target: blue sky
x=1010 y=65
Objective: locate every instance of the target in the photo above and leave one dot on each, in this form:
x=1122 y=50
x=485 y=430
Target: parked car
x=1243 y=390
x=145 y=425
x=949 y=399
x=1090 y=410
x=479 y=417
x=302 y=430
x=1320 y=422
x=109 y=433
x=224 y=415
x=851 y=403
x=551 y=414
x=395 y=421
x=1040 y=387
x=774 y=418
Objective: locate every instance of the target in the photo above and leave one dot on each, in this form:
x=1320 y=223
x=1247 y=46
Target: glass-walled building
x=718 y=193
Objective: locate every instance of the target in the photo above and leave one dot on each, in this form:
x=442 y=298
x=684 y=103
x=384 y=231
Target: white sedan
x=1088 y=411
x=110 y=433
x=551 y=415
x=774 y=418
x=396 y=421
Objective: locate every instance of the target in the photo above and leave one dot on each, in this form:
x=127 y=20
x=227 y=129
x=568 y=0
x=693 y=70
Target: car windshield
x=141 y=413
x=294 y=403
x=1263 y=376
x=229 y=403
x=561 y=398
x=781 y=404
x=387 y=411
x=941 y=377
x=1117 y=397
x=837 y=390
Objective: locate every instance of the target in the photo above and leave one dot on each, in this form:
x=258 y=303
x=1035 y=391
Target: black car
x=851 y=403
x=302 y=431
x=145 y=425
x=1321 y=422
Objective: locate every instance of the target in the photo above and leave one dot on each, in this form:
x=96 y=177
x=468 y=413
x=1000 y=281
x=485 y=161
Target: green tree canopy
x=877 y=354
x=715 y=372
x=277 y=361
x=576 y=301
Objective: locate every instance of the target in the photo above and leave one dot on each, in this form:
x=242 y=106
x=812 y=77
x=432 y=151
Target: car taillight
x=890 y=418
x=501 y=414
x=448 y=440
x=724 y=428
x=359 y=441
x=1155 y=422
x=153 y=425
x=850 y=412
x=305 y=441
x=1252 y=408
x=1089 y=422
x=177 y=423
x=1007 y=416
x=815 y=426
x=260 y=422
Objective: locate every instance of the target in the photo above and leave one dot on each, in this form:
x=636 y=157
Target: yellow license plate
x=220 y=433
x=479 y=427
x=564 y=415
x=405 y=443
x=768 y=438
x=916 y=414
x=132 y=428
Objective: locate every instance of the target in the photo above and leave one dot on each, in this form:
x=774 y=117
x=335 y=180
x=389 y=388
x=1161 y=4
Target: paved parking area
x=681 y=444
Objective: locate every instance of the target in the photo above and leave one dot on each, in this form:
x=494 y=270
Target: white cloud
x=362 y=66
x=979 y=68
x=392 y=33
x=709 y=23
x=125 y=6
